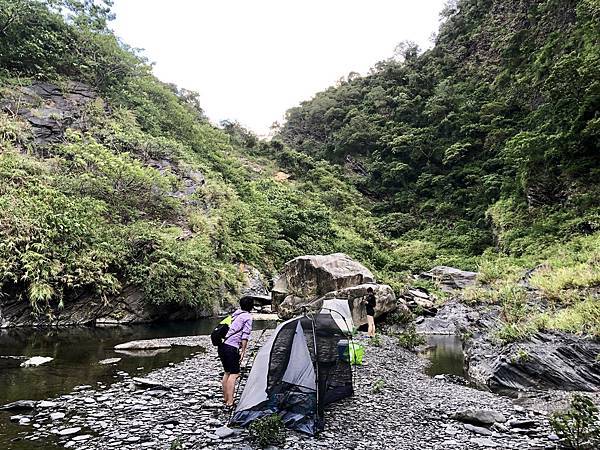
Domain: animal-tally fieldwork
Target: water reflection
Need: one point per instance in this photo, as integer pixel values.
(445, 353)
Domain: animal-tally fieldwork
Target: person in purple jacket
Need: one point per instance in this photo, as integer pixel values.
(233, 349)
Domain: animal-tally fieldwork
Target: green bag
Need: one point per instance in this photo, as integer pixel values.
(357, 352)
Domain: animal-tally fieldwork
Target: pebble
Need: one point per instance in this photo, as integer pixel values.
(69, 431)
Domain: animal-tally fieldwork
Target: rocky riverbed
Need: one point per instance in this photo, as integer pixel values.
(180, 406)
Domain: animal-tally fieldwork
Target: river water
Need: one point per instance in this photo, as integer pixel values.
(76, 352)
(445, 353)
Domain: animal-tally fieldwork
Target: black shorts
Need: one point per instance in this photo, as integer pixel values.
(230, 357)
(371, 312)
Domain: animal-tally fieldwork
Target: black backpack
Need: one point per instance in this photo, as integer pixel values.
(219, 334)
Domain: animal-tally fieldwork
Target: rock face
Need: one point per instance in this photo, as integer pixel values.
(450, 279)
(547, 360)
(51, 109)
(455, 318)
(129, 307)
(309, 280)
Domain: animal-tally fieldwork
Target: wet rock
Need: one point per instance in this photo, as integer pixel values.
(480, 416)
(36, 361)
(108, 361)
(148, 383)
(451, 318)
(450, 279)
(20, 405)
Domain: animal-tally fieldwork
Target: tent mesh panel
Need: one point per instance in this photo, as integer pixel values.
(299, 406)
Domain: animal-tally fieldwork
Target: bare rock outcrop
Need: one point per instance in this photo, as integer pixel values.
(309, 280)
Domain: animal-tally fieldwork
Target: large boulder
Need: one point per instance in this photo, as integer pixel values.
(547, 360)
(450, 279)
(311, 277)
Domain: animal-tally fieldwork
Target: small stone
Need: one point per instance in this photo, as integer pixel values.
(553, 437)
(24, 421)
(82, 437)
(46, 404)
(484, 442)
(57, 416)
(109, 361)
(69, 431)
(224, 432)
(478, 430)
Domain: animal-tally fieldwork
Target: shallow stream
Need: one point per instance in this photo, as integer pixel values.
(76, 353)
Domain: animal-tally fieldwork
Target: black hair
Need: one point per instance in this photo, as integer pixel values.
(369, 289)
(247, 303)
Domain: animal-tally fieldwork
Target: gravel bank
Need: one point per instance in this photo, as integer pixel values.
(411, 411)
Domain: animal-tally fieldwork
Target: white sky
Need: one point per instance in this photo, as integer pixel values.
(251, 60)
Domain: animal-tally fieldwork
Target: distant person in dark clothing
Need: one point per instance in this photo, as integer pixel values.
(233, 349)
(371, 302)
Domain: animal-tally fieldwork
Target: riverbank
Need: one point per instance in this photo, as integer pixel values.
(411, 410)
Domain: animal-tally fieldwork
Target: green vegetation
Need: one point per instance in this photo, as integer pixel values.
(482, 153)
(106, 206)
(410, 339)
(378, 386)
(268, 430)
(578, 426)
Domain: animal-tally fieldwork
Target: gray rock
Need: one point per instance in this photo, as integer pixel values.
(546, 360)
(20, 405)
(224, 432)
(57, 416)
(480, 416)
(313, 276)
(36, 361)
(450, 279)
(484, 442)
(148, 383)
(477, 430)
(109, 361)
(69, 431)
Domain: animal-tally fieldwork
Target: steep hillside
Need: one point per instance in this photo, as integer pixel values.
(482, 152)
(113, 184)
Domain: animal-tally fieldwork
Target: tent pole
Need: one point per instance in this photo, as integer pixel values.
(312, 321)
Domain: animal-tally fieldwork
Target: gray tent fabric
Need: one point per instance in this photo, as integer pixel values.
(340, 312)
(297, 373)
(300, 370)
(255, 391)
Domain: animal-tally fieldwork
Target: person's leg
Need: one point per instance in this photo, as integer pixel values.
(230, 388)
(371, 322)
(224, 385)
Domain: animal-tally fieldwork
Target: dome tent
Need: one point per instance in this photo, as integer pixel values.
(299, 370)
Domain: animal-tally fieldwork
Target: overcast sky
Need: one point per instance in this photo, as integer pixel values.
(251, 60)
